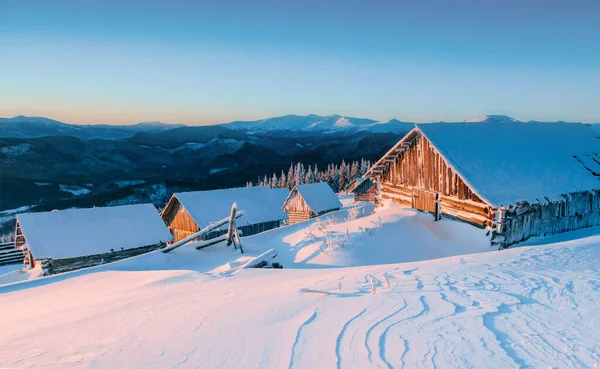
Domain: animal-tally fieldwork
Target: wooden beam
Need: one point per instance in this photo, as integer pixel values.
(200, 233)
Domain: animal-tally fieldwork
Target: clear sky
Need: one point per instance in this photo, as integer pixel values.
(200, 62)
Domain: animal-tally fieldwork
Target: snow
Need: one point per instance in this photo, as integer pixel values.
(319, 197)
(80, 232)
(509, 162)
(75, 190)
(15, 150)
(491, 119)
(531, 306)
(217, 170)
(126, 183)
(260, 204)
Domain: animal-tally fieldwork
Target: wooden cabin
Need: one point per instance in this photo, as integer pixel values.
(519, 179)
(188, 212)
(362, 189)
(77, 238)
(310, 200)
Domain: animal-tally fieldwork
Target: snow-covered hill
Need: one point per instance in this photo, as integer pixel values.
(531, 306)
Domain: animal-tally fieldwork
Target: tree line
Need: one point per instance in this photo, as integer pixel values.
(337, 176)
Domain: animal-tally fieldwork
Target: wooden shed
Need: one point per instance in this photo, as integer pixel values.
(519, 179)
(188, 212)
(77, 238)
(310, 200)
(363, 190)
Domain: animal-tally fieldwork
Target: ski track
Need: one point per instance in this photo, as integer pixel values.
(515, 330)
(302, 326)
(340, 338)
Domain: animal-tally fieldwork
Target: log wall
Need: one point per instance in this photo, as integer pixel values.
(299, 216)
(68, 264)
(421, 172)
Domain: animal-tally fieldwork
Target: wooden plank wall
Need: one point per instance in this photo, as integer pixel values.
(366, 191)
(423, 169)
(296, 203)
(578, 210)
(423, 200)
(180, 222)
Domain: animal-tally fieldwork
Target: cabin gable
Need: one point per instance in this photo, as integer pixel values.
(178, 220)
(548, 184)
(414, 174)
(297, 208)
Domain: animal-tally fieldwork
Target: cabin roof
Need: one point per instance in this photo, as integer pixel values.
(82, 232)
(260, 204)
(318, 196)
(509, 162)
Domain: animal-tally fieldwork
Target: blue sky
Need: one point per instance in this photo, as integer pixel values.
(211, 62)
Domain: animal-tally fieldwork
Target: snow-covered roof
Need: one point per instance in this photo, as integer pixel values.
(509, 162)
(319, 197)
(81, 232)
(260, 204)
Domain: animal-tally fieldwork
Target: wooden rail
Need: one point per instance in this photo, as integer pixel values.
(201, 232)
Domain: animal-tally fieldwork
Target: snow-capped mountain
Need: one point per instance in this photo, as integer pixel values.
(312, 122)
(492, 119)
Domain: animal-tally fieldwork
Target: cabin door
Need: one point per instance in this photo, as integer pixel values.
(423, 200)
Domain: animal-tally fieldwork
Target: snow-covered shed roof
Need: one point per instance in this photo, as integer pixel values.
(260, 204)
(82, 232)
(511, 161)
(318, 196)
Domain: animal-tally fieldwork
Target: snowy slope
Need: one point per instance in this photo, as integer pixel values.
(531, 306)
(525, 307)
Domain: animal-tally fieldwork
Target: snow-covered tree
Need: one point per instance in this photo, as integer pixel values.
(282, 180)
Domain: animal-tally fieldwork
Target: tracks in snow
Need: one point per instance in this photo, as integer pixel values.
(417, 319)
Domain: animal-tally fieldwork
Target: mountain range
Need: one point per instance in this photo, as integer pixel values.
(47, 164)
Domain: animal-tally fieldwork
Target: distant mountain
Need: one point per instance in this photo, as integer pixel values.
(492, 119)
(176, 137)
(33, 127)
(310, 122)
(317, 123)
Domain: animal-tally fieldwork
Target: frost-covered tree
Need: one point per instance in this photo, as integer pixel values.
(290, 177)
(282, 180)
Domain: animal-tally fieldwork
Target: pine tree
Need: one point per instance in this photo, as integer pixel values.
(274, 181)
(308, 178)
(354, 171)
(282, 180)
(342, 178)
(290, 177)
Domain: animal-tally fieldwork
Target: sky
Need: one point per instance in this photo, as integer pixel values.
(204, 62)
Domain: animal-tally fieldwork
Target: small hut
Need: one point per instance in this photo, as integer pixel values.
(310, 200)
(520, 179)
(188, 212)
(362, 189)
(77, 238)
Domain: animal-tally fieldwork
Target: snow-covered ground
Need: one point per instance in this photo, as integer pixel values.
(530, 306)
